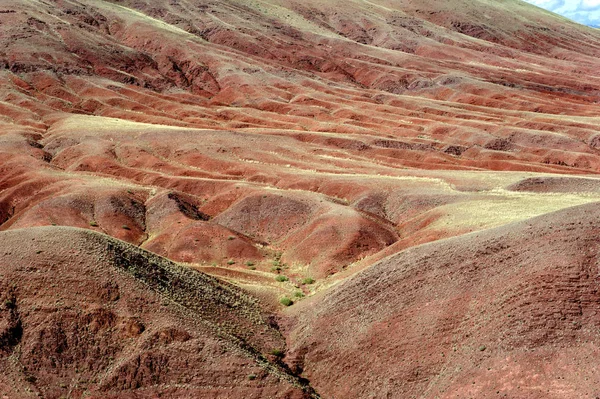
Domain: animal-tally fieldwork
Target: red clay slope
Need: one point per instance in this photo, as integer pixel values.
(309, 139)
(509, 312)
(295, 95)
(84, 315)
(460, 84)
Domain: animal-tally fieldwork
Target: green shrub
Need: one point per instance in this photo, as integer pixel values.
(281, 278)
(308, 281)
(93, 223)
(230, 262)
(299, 294)
(277, 352)
(249, 263)
(252, 377)
(285, 301)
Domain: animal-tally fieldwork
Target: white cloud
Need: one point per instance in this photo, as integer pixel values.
(547, 4)
(585, 12)
(590, 4)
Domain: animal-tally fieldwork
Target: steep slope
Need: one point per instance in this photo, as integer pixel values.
(509, 312)
(84, 315)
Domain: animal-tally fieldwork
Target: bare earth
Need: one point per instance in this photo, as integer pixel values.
(420, 179)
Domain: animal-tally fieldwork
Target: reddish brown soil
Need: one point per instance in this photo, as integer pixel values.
(509, 312)
(556, 185)
(310, 94)
(84, 315)
(306, 139)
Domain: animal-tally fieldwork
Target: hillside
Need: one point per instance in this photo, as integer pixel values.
(295, 150)
(511, 311)
(101, 318)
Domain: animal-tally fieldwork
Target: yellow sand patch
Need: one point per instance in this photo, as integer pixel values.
(498, 207)
(101, 124)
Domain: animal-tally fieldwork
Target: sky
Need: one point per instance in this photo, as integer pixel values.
(586, 12)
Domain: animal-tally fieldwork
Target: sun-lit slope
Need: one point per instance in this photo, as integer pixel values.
(297, 149)
(82, 314)
(510, 311)
(415, 71)
(189, 129)
(255, 204)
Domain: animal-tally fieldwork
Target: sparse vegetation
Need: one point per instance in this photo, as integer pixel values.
(285, 301)
(277, 258)
(324, 125)
(277, 352)
(277, 264)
